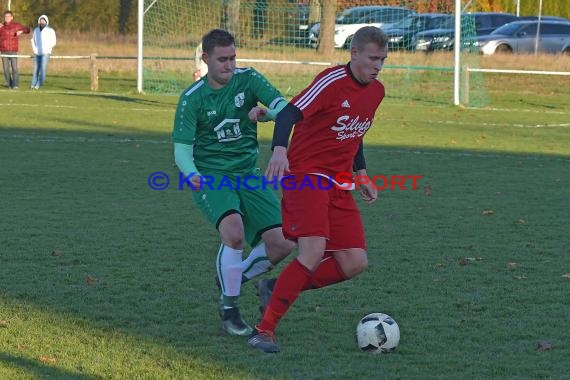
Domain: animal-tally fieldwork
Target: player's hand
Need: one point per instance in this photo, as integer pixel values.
(278, 163)
(368, 193)
(257, 114)
(196, 182)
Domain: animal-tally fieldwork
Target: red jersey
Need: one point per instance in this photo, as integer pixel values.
(9, 38)
(337, 112)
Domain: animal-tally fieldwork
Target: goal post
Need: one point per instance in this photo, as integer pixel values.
(281, 39)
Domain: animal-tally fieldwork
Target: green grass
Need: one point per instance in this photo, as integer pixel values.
(101, 277)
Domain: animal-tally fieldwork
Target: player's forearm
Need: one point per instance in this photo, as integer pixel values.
(359, 161)
(184, 158)
(284, 122)
(272, 112)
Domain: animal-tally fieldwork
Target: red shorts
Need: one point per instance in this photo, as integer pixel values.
(310, 209)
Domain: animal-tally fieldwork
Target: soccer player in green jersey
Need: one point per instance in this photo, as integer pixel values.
(215, 137)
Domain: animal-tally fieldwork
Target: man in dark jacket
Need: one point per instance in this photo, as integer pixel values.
(9, 33)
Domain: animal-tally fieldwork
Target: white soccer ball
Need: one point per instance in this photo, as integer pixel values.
(377, 333)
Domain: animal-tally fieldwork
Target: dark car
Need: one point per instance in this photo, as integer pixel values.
(400, 35)
(543, 18)
(472, 26)
(521, 37)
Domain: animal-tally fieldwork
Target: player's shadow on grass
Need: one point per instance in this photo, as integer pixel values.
(119, 98)
(39, 370)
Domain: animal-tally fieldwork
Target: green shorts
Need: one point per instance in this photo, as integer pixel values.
(257, 203)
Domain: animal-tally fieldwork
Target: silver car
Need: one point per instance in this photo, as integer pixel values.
(521, 37)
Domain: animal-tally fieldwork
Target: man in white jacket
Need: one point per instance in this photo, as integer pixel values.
(43, 41)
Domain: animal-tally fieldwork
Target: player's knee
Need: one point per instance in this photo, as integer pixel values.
(233, 239)
(278, 250)
(361, 263)
(356, 266)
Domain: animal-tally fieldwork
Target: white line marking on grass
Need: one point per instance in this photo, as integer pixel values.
(449, 122)
(126, 140)
(517, 110)
(75, 107)
(36, 105)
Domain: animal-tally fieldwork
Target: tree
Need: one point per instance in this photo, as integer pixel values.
(326, 34)
(125, 11)
(230, 16)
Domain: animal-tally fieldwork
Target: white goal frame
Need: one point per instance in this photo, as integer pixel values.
(457, 51)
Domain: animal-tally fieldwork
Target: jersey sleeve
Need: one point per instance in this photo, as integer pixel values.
(185, 121)
(319, 93)
(267, 94)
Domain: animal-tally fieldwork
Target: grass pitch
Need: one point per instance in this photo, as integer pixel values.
(102, 277)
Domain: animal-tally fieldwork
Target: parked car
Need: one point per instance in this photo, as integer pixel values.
(521, 37)
(543, 18)
(472, 24)
(352, 19)
(401, 34)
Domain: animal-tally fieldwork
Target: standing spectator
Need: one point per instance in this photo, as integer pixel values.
(9, 33)
(43, 41)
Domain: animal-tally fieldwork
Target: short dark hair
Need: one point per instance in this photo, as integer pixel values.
(216, 37)
(367, 35)
(8, 13)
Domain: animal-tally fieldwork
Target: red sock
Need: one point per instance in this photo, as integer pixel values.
(289, 285)
(327, 273)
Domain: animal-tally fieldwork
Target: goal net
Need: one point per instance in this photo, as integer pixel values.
(284, 40)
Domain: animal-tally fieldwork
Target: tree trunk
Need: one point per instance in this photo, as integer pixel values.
(230, 17)
(326, 34)
(124, 13)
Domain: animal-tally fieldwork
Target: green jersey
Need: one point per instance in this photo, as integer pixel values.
(215, 121)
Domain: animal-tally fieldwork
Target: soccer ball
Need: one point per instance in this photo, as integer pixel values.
(377, 333)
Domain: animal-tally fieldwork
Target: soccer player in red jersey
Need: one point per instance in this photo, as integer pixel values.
(331, 117)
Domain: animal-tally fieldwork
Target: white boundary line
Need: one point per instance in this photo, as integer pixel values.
(419, 152)
(168, 109)
(533, 72)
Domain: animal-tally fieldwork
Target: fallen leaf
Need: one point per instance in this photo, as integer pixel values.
(523, 277)
(454, 141)
(3, 323)
(488, 212)
(521, 221)
(428, 190)
(543, 346)
(90, 280)
(56, 252)
(47, 359)
(512, 265)
(567, 275)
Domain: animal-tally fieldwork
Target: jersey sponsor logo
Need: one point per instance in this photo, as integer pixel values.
(228, 130)
(239, 99)
(345, 104)
(211, 113)
(347, 128)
